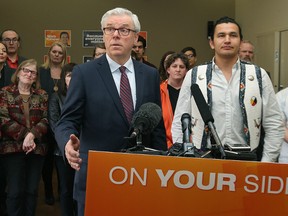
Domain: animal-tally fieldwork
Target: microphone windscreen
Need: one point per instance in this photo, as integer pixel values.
(148, 117)
(185, 116)
(201, 104)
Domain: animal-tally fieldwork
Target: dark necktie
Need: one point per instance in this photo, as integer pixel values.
(125, 94)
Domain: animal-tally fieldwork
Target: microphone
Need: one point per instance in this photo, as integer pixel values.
(207, 116)
(186, 129)
(146, 119)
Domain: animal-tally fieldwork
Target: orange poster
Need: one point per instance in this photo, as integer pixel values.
(57, 35)
(133, 184)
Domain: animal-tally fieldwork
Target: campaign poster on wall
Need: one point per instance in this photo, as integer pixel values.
(57, 35)
(91, 38)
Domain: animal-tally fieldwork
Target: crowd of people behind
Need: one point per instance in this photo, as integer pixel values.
(32, 99)
(28, 149)
(51, 78)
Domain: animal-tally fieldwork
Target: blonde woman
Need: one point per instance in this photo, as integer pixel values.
(50, 81)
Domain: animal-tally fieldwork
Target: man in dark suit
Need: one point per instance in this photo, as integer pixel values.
(93, 117)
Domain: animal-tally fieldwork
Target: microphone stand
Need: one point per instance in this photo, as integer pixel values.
(188, 146)
(139, 146)
(219, 145)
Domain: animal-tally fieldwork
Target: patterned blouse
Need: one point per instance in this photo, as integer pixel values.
(13, 122)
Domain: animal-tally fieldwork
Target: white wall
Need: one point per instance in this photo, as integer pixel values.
(261, 22)
(261, 16)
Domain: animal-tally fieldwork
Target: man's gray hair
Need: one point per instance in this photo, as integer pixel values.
(120, 12)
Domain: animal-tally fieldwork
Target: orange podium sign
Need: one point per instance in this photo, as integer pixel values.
(147, 185)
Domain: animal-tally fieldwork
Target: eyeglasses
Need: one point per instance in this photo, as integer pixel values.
(99, 54)
(9, 40)
(139, 47)
(190, 56)
(26, 70)
(121, 31)
(68, 74)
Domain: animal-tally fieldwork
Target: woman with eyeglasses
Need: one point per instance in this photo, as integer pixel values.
(23, 116)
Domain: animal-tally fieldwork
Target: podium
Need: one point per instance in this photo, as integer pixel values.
(142, 185)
